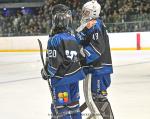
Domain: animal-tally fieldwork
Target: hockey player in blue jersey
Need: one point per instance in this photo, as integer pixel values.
(63, 66)
(93, 38)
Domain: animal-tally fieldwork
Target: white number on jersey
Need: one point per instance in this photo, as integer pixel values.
(52, 53)
(70, 54)
(95, 36)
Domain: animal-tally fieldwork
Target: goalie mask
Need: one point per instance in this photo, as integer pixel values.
(61, 17)
(90, 10)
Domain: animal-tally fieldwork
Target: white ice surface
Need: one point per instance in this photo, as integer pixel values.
(24, 95)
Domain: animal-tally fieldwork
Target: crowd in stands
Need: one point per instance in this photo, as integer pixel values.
(121, 11)
(118, 15)
(19, 1)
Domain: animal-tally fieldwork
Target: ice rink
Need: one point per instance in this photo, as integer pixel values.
(24, 95)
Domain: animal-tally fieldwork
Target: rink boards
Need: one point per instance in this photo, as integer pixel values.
(118, 41)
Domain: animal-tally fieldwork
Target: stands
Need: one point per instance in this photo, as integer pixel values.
(119, 16)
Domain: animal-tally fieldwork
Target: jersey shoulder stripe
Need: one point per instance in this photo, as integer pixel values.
(56, 39)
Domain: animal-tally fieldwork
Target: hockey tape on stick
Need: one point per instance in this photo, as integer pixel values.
(83, 107)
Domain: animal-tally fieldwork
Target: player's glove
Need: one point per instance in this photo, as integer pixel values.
(44, 74)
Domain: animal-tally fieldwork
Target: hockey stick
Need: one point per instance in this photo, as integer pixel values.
(50, 87)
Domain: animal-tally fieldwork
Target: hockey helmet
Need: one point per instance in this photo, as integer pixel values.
(61, 16)
(90, 10)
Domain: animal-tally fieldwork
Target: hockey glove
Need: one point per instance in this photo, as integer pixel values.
(44, 74)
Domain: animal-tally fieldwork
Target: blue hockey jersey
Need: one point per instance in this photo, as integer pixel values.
(62, 59)
(95, 42)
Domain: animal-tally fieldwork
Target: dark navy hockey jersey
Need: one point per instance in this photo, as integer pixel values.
(63, 59)
(95, 42)
(106, 58)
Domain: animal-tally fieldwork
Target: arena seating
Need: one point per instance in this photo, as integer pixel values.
(119, 16)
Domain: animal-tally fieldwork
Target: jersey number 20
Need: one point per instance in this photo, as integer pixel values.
(52, 53)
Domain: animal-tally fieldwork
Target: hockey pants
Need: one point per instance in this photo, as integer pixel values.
(66, 102)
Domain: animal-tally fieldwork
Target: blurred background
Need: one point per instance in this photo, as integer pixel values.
(32, 17)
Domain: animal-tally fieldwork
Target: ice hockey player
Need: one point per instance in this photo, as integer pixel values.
(63, 66)
(93, 37)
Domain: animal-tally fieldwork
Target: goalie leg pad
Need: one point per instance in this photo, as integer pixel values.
(103, 106)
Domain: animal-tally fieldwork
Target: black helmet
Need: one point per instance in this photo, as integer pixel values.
(61, 17)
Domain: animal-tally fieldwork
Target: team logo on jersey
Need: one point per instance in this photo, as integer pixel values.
(71, 54)
(63, 97)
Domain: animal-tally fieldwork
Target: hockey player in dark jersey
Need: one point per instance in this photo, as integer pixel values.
(97, 61)
(63, 66)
